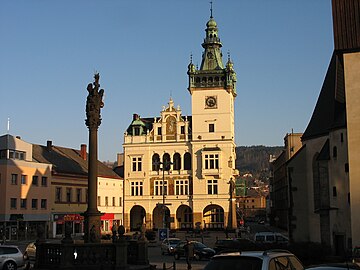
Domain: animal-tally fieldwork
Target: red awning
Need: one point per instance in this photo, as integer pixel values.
(107, 216)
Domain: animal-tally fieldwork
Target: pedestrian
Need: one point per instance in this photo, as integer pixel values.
(189, 253)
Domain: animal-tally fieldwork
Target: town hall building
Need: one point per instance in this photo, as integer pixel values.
(179, 170)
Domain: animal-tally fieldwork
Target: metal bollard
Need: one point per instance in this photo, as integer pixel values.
(164, 266)
(174, 265)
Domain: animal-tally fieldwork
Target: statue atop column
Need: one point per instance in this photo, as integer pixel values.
(94, 103)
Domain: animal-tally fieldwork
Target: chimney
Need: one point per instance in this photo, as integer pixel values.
(135, 116)
(49, 145)
(83, 151)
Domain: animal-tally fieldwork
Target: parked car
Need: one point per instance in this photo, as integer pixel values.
(200, 250)
(238, 244)
(270, 237)
(168, 245)
(335, 266)
(11, 257)
(255, 260)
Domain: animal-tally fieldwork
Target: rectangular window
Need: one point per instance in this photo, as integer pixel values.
(34, 203)
(120, 201)
(58, 192)
(106, 201)
(13, 203)
(158, 187)
(137, 131)
(113, 202)
(35, 180)
(14, 179)
(43, 203)
(78, 195)
(23, 203)
(159, 130)
(68, 195)
(99, 201)
(182, 129)
(136, 188)
(211, 127)
(212, 161)
(44, 181)
(23, 179)
(181, 187)
(136, 164)
(212, 186)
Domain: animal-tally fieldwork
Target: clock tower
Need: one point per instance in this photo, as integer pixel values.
(213, 91)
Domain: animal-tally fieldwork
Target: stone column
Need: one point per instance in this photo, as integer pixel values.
(92, 215)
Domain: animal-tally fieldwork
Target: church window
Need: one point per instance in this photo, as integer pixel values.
(187, 161)
(212, 161)
(181, 187)
(212, 186)
(136, 188)
(182, 130)
(334, 152)
(211, 127)
(210, 79)
(159, 131)
(216, 79)
(136, 164)
(158, 187)
(197, 79)
(177, 161)
(156, 162)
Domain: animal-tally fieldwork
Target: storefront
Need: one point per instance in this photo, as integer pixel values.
(108, 220)
(76, 222)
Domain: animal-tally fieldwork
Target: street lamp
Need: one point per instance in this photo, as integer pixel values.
(164, 164)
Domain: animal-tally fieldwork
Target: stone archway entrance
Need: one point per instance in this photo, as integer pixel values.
(184, 217)
(137, 218)
(158, 218)
(213, 217)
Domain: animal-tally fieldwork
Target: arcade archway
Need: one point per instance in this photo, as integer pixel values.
(158, 217)
(213, 216)
(137, 217)
(184, 217)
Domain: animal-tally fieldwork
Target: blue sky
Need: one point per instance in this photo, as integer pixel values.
(50, 50)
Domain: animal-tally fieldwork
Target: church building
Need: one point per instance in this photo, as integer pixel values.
(179, 171)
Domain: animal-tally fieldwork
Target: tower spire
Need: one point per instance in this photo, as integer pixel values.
(211, 9)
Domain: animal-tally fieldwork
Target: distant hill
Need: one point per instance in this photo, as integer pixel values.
(255, 159)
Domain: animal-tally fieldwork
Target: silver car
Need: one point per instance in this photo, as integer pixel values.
(168, 245)
(255, 260)
(11, 257)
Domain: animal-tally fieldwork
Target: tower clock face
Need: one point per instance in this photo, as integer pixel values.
(210, 102)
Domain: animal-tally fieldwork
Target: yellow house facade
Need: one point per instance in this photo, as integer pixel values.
(177, 168)
(25, 199)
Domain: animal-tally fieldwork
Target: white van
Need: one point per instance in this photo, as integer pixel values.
(270, 237)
